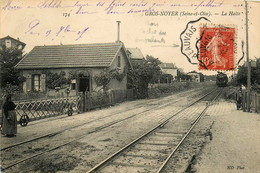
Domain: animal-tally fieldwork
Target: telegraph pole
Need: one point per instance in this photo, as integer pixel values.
(248, 63)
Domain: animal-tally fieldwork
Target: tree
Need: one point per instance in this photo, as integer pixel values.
(56, 80)
(143, 73)
(154, 71)
(9, 57)
(242, 75)
(104, 78)
(210, 77)
(166, 78)
(255, 75)
(182, 76)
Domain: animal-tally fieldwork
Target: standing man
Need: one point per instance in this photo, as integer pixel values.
(239, 98)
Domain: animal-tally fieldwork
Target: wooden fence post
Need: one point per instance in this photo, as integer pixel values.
(244, 101)
(249, 105)
(111, 98)
(78, 104)
(82, 103)
(254, 101)
(257, 107)
(88, 101)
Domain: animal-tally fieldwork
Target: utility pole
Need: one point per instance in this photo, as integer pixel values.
(248, 63)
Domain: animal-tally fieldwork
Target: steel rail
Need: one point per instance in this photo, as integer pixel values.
(187, 134)
(92, 131)
(101, 164)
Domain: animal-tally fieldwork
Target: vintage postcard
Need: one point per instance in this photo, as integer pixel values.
(89, 79)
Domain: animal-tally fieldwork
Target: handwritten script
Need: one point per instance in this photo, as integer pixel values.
(34, 28)
(110, 6)
(68, 9)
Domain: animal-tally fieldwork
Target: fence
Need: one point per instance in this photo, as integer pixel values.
(254, 101)
(96, 100)
(42, 108)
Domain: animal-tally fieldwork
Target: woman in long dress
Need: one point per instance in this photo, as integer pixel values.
(9, 124)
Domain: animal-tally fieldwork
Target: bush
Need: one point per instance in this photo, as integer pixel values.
(31, 95)
(56, 80)
(241, 77)
(256, 87)
(9, 89)
(229, 93)
(166, 89)
(154, 93)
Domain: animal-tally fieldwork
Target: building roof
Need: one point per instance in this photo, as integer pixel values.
(67, 56)
(167, 66)
(192, 72)
(8, 37)
(135, 53)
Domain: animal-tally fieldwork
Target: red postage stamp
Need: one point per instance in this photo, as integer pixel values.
(216, 50)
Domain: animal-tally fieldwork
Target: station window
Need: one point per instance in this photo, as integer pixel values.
(8, 43)
(36, 82)
(73, 84)
(118, 61)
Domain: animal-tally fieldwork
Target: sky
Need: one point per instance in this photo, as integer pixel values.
(54, 22)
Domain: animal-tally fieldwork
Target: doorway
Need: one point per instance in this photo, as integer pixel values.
(84, 84)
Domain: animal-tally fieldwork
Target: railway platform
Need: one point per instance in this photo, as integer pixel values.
(235, 143)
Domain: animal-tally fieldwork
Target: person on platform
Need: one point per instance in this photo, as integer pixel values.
(239, 98)
(9, 123)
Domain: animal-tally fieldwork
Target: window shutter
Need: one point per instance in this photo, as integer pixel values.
(28, 82)
(118, 61)
(43, 82)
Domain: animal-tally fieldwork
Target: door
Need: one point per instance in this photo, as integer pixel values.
(84, 84)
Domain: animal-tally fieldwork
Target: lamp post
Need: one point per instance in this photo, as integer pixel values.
(248, 63)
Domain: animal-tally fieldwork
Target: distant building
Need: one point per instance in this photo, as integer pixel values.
(181, 70)
(84, 60)
(10, 42)
(194, 76)
(169, 68)
(135, 54)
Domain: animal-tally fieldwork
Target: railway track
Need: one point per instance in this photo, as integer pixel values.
(165, 102)
(162, 100)
(152, 151)
(49, 149)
